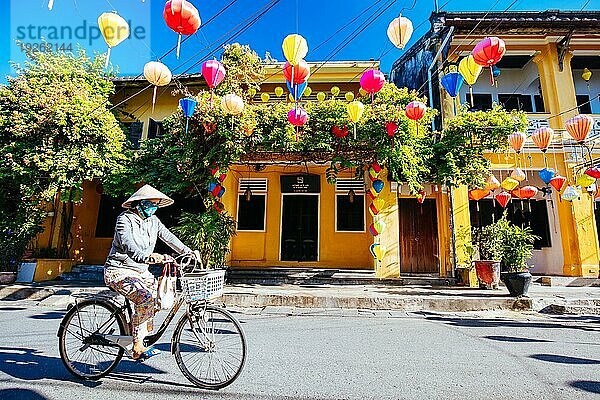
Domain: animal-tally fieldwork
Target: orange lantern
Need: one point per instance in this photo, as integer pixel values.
(542, 138)
(492, 183)
(558, 182)
(579, 126)
(526, 192)
(478, 194)
(488, 52)
(517, 141)
(503, 199)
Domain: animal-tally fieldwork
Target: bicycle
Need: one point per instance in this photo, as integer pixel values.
(95, 333)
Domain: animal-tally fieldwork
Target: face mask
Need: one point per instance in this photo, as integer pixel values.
(146, 208)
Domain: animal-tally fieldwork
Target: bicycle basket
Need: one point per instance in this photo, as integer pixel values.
(203, 286)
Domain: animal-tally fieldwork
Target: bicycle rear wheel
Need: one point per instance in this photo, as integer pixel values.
(81, 347)
(209, 347)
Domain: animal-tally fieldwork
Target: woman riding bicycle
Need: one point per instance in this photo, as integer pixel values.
(126, 268)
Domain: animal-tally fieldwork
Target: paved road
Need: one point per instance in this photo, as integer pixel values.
(336, 355)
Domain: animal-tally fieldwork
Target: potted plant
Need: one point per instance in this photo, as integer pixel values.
(517, 247)
(488, 243)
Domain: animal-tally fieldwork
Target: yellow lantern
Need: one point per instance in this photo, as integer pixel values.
(509, 183)
(114, 30)
(379, 251)
(232, 104)
(585, 180)
(265, 97)
(399, 31)
(355, 111)
(307, 92)
(586, 75)
(469, 70)
(349, 96)
(294, 48)
(291, 98)
(335, 91)
(362, 92)
(157, 74)
(251, 92)
(321, 96)
(278, 91)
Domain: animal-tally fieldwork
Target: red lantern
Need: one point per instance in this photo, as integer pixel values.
(579, 126)
(594, 172)
(542, 138)
(338, 132)
(299, 72)
(488, 52)
(376, 167)
(297, 116)
(372, 81)
(182, 17)
(526, 192)
(218, 206)
(558, 182)
(478, 194)
(415, 110)
(421, 196)
(503, 198)
(391, 128)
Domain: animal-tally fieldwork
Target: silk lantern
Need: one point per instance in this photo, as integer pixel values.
(232, 104)
(570, 193)
(294, 48)
(114, 30)
(470, 71)
(542, 138)
(421, 194)
(188, 106)
(338, 132)
(335, 91)
(526, 192)
(182, 17)
(415, 110)
(349, 96)
(584, 180)
(157, 74)
(391, 128)
(492, 183)
(355, 111)
(377, 251)
(376, 206)
(372, 81)
(579, 126)
(558, 182)
(214, 73)
(218, 207)
(278, 91)
(376, 167)
(546, 175)
(518, 175)
(297, 116)
(594, 172)
(378, 185)
(488, 52)
(296, 90)
(478, 194)
(377, 228)
(219, 174)
(399, 31)
(517, 141)
(503, 198)
(321, 96)
(251, 93)
(265, 97)
(586, 75)
(509, 183)
(452, 82)
(298, 73)
(373, 174)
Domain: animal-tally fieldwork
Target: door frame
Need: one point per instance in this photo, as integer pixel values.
(318, 225)
(438, 273)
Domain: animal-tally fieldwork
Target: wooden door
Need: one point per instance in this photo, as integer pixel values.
(419, 248)
(299, 228)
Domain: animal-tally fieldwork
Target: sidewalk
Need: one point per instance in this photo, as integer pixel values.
(558, 299)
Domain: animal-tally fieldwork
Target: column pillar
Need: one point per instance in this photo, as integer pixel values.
(389, 267)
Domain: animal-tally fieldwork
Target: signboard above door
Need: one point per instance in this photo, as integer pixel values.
(300, 184)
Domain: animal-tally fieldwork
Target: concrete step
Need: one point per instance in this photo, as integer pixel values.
(567, 281)
(84, 273)
(572, 309)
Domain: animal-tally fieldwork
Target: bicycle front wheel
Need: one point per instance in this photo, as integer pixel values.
(82, 348)
(209, 347)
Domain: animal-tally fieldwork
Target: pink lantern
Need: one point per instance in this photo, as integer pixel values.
(213, 72)
(297, 116)
(372, 81)
(415, 110)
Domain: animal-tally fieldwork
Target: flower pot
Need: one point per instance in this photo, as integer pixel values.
(6, 278)
(517, 283)
(488, 272)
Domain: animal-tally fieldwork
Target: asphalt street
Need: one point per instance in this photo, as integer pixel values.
(328, 354)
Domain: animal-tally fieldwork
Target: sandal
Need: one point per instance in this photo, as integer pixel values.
(149, 353)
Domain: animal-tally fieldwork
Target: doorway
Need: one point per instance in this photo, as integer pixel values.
(300, 228)
(419, 245)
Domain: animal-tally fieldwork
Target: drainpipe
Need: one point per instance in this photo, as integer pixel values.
(444, 42)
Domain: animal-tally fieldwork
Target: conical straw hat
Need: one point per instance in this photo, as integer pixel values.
(147, 192)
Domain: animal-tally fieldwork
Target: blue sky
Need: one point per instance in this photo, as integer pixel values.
(316, 20)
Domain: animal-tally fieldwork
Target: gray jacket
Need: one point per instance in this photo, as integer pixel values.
(135, 239)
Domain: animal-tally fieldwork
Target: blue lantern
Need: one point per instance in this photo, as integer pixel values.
(378, 185)
(297, 90)
(546, 175)
(495, 71)
(452, 82)
(188, 106)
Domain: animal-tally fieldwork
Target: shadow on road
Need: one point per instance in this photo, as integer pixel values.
(588, 386)
(514, 339)
(563, 359)
(20, 394)
(49, 315)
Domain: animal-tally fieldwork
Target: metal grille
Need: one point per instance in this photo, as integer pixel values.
(343, 185)
(256, 185)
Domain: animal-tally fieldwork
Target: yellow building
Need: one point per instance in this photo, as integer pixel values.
(541, 73)
(289, 216)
